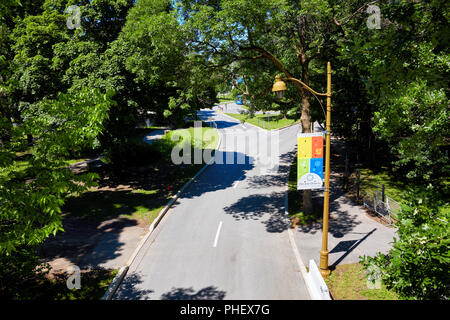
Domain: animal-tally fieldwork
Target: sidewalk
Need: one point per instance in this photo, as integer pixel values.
(351, 232)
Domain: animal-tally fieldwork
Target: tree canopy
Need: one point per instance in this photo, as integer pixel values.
(67, 89)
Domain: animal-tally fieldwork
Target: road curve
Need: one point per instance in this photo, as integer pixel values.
(226, 236)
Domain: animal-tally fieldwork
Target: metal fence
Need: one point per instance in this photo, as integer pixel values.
(387, 209)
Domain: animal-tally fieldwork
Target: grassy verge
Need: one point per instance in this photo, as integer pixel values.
(372, 181)
(260, 120)
(295, 203)
(349, 282)
(20, 167)
(226, 100)
(145, 190)
(137, 193)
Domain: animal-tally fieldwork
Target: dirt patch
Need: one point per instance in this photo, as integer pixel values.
(78, 241)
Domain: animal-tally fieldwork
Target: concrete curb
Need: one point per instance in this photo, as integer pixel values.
(316, 286)
(224, 114)
(124, 269)
(297, 255)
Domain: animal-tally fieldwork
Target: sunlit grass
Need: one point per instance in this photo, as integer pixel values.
(19, 167)
(371, 182)
(200, 137)
(260, 120)
(349, 282)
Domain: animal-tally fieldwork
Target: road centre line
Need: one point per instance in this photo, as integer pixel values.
(217, 234)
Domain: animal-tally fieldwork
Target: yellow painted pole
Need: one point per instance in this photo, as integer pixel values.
(326, 197)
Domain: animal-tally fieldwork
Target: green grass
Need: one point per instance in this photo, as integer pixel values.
(143, 203)
(349, 282)
(295, 203)
(19, 167)
(226, 100)
(99, 205)
(260, 120)
(203, 137)
(372, 181)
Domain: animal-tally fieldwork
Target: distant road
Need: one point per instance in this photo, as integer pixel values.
(226, 237)
(232, 107)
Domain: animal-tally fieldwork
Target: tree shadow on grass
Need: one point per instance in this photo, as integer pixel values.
(208, 293)
(93, 285)
(99, 205)
(98, 217)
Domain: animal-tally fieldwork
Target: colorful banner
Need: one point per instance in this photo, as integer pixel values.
(309, 161)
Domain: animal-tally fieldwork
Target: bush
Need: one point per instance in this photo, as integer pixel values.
(417, 267)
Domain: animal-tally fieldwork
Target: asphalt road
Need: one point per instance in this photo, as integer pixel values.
(226, 236)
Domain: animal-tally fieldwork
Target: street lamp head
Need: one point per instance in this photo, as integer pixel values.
(279, 87)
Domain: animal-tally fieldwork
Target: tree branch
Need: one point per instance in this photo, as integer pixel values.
(341, 22)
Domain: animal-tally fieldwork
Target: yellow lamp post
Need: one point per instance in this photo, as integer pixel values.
(279, 87)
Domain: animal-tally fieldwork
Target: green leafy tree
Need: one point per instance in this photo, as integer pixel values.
(31, 195)
(417, 265)
(263, 38)
(404, 67)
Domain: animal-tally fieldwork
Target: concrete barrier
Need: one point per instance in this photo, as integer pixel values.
(317, 287)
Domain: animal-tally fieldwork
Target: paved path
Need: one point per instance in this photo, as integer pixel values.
(154, 135)
(226, 237)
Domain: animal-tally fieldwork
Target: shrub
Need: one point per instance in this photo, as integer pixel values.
(417, 267)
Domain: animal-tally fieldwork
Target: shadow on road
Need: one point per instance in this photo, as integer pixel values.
(222, 124)
(129, 290)
(268, 207)
(259, 206)
(221, 176)
(208, 293)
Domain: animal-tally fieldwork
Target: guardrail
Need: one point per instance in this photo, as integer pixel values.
(388, 209)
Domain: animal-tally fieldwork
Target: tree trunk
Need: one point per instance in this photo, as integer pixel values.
(29, 139)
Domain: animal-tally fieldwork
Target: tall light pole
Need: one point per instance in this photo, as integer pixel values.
(279, 87)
